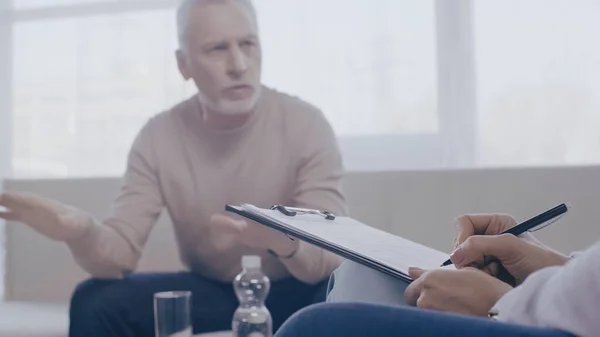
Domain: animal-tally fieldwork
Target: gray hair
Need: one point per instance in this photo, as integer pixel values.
(183, 17)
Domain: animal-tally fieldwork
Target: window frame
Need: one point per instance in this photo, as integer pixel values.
(5, 91)
(5, 118)
(454, 145)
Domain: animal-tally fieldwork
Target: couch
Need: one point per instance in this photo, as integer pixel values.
(419, 205)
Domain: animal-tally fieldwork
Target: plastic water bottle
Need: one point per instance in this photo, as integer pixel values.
(252, 318)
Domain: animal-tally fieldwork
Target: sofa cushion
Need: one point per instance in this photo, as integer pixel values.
(23, 319)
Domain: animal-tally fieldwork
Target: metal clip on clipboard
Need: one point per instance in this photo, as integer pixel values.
(293, 211)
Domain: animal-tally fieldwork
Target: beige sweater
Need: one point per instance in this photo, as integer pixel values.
(285, 154)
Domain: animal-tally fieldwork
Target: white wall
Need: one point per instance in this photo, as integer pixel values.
(421, 205)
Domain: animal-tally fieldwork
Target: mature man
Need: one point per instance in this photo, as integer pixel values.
(235, 141)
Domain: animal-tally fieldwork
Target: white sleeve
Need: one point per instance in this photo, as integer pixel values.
(565, 298)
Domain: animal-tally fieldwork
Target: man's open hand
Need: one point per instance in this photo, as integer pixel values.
(46, 216)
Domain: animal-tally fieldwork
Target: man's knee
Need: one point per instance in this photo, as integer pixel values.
(89, 295)
(349, 274)
(353, 282)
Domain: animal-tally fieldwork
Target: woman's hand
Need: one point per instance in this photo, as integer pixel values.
(519, 257)
(468, 291)
(468, 226)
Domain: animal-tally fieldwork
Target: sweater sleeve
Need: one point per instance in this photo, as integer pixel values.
(112, 248)
(565, 298)
(318, 186)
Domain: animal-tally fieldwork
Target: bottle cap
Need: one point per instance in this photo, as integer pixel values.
(250, 261)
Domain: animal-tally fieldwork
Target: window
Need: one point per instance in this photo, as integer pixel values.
(372, 69)
(429, 83)
(538, 65)
(85, 82)
(84, 86)
(37, 4)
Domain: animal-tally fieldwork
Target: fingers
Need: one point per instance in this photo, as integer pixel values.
(426, 280)
(415, 273)
(491, 269)
(227, 224)
(16, 202)
(481, 224)
(413, 291)
(476, 249)
(464, 228)
(8, 216)
(5, 208)
(9, 200)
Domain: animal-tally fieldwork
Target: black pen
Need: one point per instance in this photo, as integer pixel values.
(545, 219)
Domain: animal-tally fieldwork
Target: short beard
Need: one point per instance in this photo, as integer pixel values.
(232, 108)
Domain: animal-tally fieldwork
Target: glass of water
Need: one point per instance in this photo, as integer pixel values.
(173, 314)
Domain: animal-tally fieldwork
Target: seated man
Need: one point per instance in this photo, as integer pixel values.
(553, 295)
(235, 141)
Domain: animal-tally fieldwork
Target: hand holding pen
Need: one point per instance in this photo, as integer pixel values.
(484, 238)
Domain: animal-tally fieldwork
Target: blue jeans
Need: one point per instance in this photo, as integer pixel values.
(363, 319)
(125, 307)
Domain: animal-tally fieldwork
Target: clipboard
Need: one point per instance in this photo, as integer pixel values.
(346, 237)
